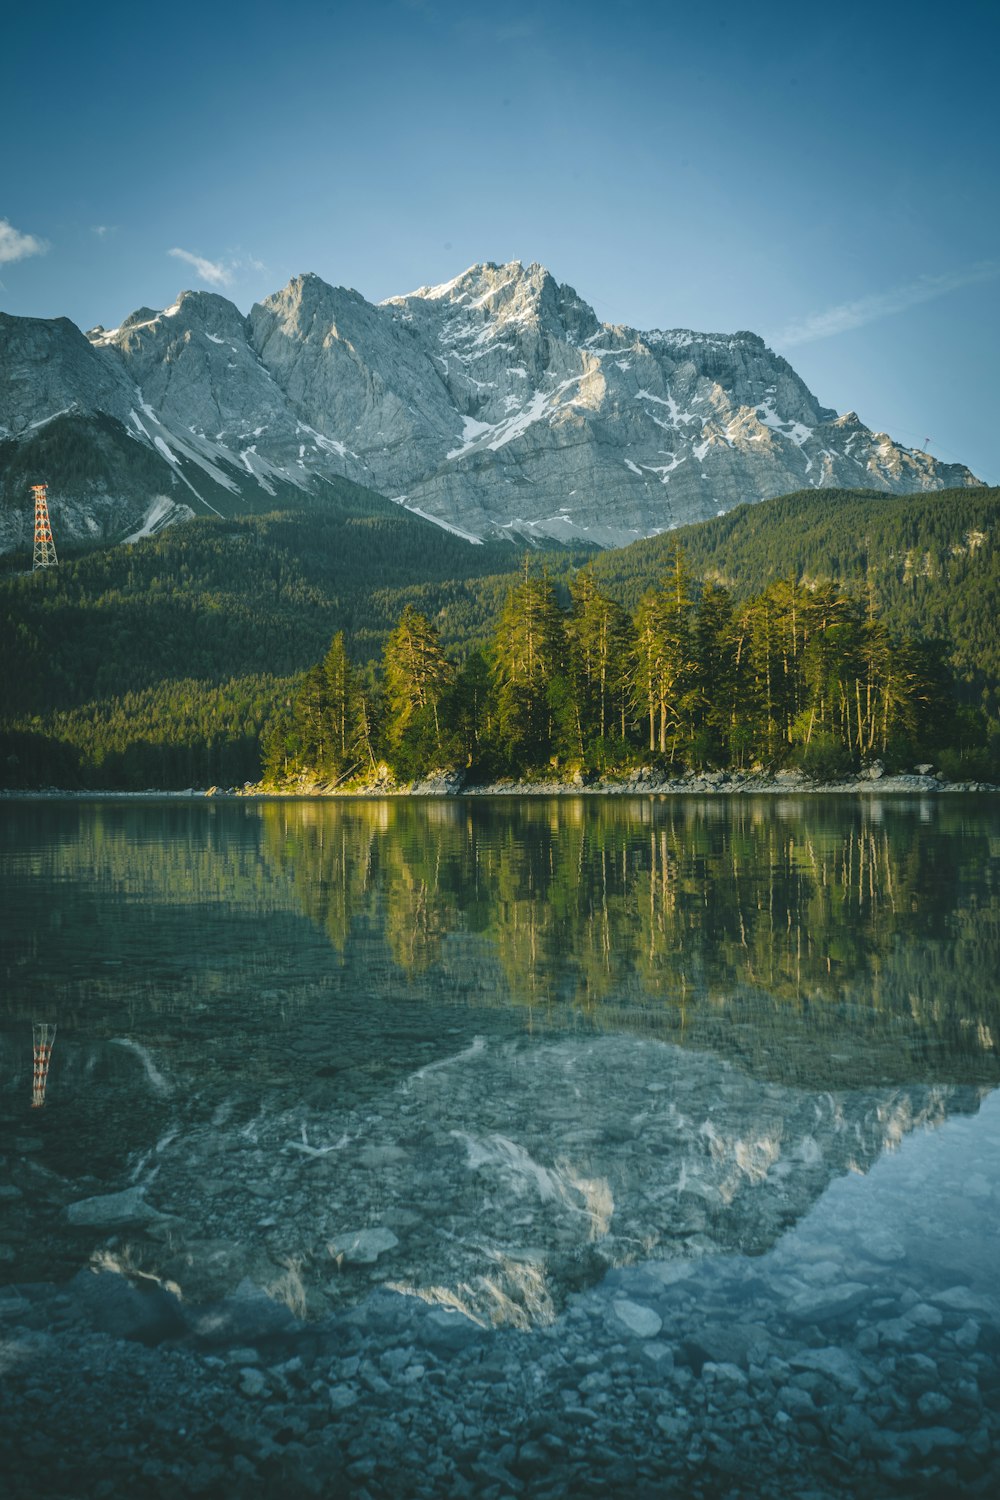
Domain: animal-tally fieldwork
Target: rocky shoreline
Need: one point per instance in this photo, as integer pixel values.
(641, 782)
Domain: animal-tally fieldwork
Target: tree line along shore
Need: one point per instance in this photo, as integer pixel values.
(802, 678)
(811, 631)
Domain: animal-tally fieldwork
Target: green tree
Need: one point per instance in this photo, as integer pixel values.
(601, 639)
(339, 680)
(367, 715)
(715, 670)
(665, 676)
(417, 676)
(528, 650)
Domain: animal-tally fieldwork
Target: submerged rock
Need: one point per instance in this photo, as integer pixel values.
(641, 1321)
(127, 1207)
(362, 1247)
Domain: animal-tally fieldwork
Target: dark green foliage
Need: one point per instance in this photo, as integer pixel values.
(217, 601)
(220, 598)
(667, 686)
(78, 455)
(417, 675)
(271, 618)
(932, 559)
(803, 675)
(601, 639)
(528, 659)
(178, 734)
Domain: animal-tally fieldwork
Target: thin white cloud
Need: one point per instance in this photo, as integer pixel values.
(17, 246)
(102, 230)
(847, 315)
(214, 272)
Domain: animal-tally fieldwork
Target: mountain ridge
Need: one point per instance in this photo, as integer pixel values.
(496, 404)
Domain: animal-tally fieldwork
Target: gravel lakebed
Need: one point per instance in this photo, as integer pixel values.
(856, 1356)
(648, 1386)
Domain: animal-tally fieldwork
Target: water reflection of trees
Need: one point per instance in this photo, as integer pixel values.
(596, 903)
(740, 922)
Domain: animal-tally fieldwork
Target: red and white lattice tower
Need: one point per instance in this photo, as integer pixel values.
(45, 547)
(43, 1038)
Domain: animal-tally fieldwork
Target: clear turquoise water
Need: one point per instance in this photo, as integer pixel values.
(525, 1041)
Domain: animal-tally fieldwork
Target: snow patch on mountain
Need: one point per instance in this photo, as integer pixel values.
(162, 513)
(467, 536)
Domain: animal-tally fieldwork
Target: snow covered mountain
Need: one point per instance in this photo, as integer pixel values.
(493, 404)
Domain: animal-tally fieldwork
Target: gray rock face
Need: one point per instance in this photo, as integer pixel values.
(49, 369)
(494, 403)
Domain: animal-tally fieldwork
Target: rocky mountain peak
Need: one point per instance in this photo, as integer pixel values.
(505, 294)
(493, 403)
(306, 290)
(309, 308)
(480, 279)
(205, 313)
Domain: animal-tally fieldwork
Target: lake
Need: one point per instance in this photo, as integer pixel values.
(676, 1115)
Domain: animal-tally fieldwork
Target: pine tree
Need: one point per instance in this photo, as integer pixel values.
(665, 674)
(528, 650)
(367, 711)
(338, 677)
(417, 675)
(715, 658)
(601, 639)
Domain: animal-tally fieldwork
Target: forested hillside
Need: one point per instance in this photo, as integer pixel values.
(114, 666)
(158, 664)
(932, 559)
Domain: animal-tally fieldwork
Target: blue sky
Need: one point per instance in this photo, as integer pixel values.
(827, 177)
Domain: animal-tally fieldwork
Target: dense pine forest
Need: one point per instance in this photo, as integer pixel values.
(122, 666)
(803, 673)
(819, 629)
(931, 558)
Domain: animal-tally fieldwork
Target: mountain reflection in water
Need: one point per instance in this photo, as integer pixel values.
(479, 1050)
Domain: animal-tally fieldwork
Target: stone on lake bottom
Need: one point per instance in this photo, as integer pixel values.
(445, 1329)
(962, 1299)
(933, 1404)
(928, 1439)
(828, 1302)
(362, 1247)
(967, 1337)
(660, 1355)
(833, 1362)
(641, 1321)
(126, 1207)
(342, 1397)
(252, 1381)
(725, 1373)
